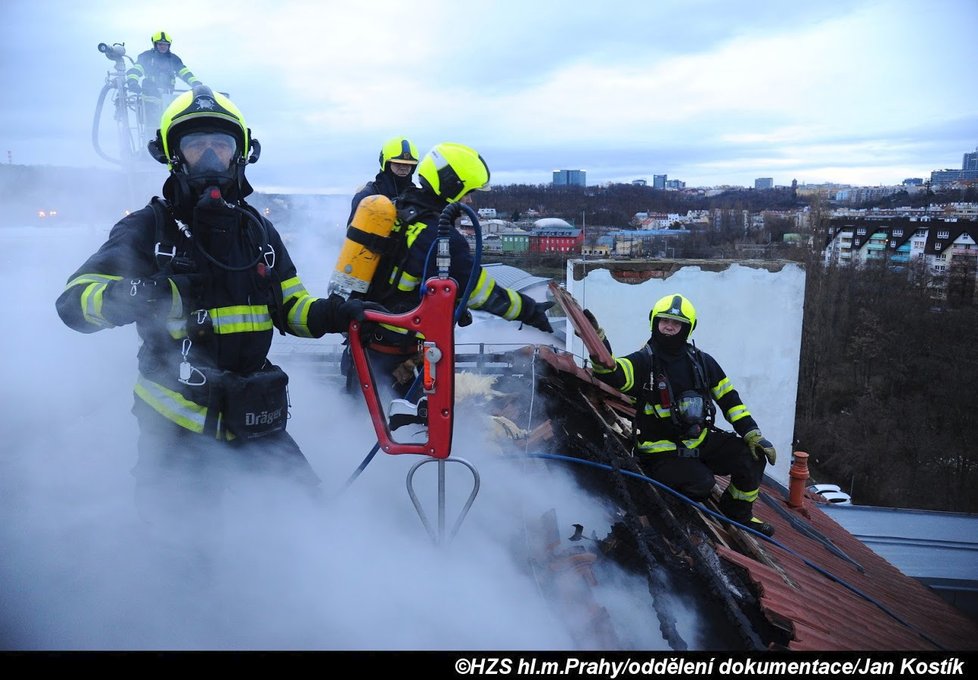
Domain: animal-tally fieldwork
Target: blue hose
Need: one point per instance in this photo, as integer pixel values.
(724, 518)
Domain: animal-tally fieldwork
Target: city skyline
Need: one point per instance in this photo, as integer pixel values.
(713, 93)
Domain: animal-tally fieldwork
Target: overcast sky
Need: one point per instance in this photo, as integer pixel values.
(705, 91)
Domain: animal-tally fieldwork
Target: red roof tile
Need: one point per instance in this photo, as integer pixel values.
(894, 612)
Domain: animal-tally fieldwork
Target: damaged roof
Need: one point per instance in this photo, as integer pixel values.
(813, 587)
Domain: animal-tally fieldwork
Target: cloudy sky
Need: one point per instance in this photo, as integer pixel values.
(706, 91)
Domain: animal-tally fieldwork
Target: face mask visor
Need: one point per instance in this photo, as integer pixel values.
(207, 153)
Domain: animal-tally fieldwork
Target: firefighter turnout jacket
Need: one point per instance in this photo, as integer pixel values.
(223, 293)
(660, 427)
(159, 71)
(412, 261)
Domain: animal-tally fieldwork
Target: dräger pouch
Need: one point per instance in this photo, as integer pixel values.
(256, 404)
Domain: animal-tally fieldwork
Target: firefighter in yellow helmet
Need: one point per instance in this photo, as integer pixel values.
(447, 174)
(154, 75)
(207, 281)
(158, 68)
(398, 161)
(675, 386)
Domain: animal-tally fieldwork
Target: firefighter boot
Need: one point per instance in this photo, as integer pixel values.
(742, 512)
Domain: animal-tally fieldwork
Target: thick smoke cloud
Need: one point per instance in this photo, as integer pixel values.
(354, 570)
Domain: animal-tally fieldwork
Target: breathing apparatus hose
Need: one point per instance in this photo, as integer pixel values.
(96, 124)
(262, 231)
(446, 222)
(727, 520)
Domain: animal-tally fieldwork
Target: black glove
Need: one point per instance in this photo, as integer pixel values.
(133, 86)
(535, 314)
(128, 300)
(352, 310)
(594, 322)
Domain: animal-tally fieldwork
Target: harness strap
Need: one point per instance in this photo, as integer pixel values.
(661, 384)
(381, 245)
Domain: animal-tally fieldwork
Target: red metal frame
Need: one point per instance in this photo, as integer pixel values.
(434, 319)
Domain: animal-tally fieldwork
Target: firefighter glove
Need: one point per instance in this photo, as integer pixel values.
(353, 310)
(758, 446)
(128, 300)
(133, 86)
(535, 314)
(594, 322)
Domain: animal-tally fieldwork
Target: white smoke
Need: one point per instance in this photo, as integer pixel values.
(356, 571)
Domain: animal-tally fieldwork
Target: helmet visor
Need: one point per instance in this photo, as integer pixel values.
(208, 151)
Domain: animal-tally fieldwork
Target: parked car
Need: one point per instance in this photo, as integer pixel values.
(831, 493)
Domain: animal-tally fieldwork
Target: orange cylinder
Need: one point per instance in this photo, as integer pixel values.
(361, 252)
(798, 476)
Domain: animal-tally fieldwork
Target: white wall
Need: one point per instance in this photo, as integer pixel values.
(749, 319)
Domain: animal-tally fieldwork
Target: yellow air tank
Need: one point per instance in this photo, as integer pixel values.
(371, 225)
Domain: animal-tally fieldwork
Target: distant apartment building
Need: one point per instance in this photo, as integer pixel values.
(675, 184)
(645, 242)
(577, 178)
(596, 250)
(764, 183)
(946, 249)
(941, 178)
(548, 235)
(864, 194)
(515, 243)
(659, 181)
(553, 235)
(492, 244)
(913, 182)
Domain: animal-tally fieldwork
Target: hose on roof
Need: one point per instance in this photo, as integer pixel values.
(724, 518)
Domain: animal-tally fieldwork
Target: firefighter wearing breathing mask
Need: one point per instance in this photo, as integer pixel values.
(675, 386)
(207, 281)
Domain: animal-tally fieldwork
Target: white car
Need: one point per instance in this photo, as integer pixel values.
(831, 493)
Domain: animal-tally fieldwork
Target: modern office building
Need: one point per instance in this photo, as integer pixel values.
(659, 181)
(764, 183)
(967, 173)
(970, 161)
(576, 178)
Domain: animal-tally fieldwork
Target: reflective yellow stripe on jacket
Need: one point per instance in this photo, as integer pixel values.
(628, 372)
(298, 317)
(241, 319)
(91, 296)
